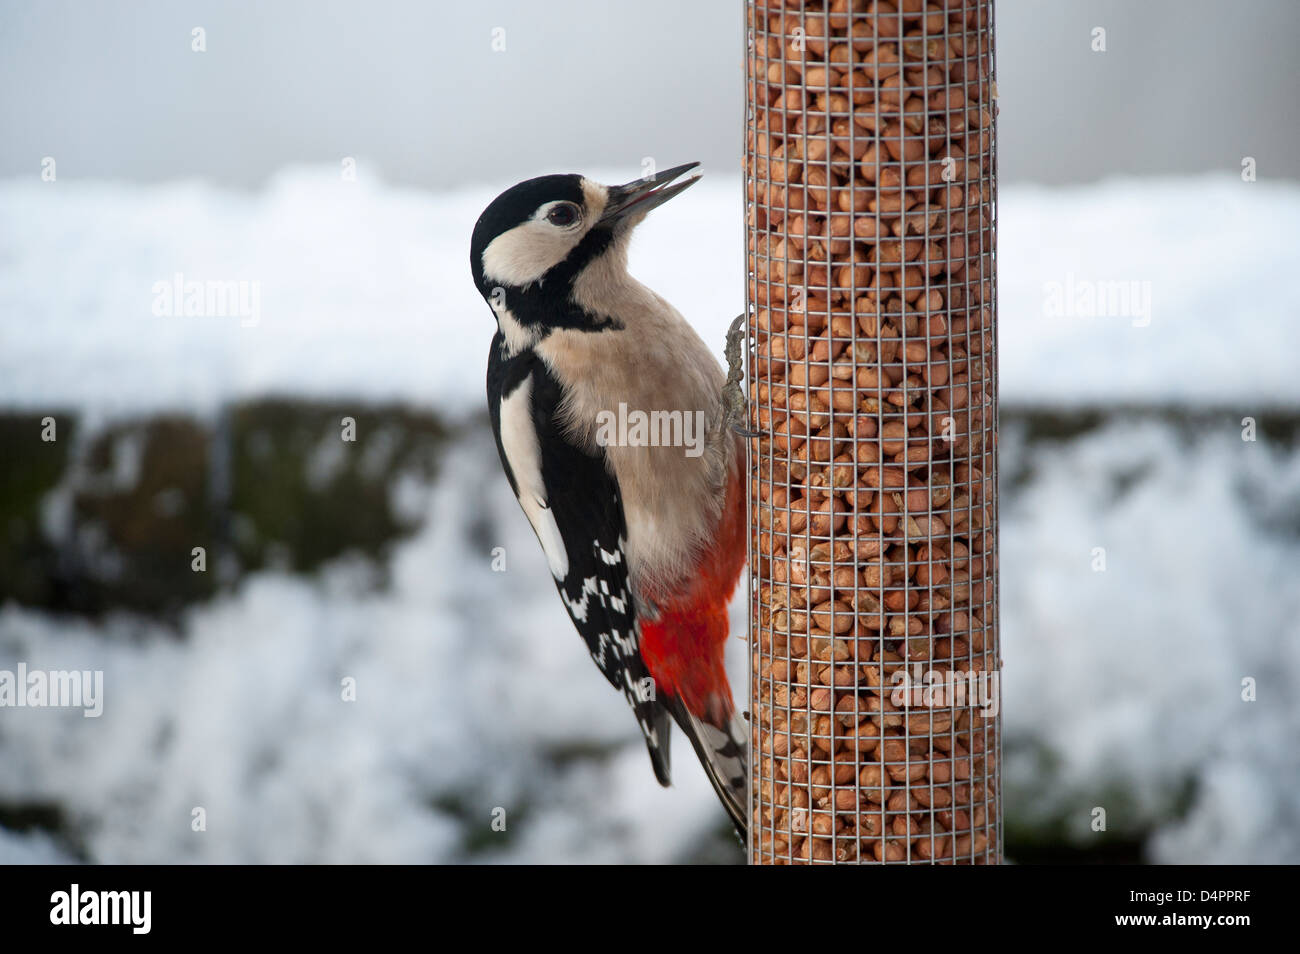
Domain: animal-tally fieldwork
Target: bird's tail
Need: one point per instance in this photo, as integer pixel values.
(722, 753)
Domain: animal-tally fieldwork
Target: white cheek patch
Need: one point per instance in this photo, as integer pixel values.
(519, 440)
(594, 197)
(528, 251)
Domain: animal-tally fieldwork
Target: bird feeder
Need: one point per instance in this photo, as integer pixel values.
(870, 176)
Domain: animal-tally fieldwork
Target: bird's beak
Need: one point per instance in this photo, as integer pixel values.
(638, 197)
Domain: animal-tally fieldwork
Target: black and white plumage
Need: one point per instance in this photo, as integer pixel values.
(645, 543)
(573, 505)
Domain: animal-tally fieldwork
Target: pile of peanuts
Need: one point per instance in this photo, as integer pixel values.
(870, 178)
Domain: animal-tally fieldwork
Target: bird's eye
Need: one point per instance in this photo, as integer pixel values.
(563, 215)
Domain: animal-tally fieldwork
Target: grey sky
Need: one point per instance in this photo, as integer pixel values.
(113, 90)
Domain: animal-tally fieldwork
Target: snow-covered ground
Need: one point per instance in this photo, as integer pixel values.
(466, 679)
(1122, 687)
(365, 290)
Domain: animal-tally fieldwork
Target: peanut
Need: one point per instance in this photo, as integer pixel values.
(870, 197)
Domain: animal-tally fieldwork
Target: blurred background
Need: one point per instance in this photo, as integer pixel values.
(328, 161)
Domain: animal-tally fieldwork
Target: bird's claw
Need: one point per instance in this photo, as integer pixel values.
(735, 406)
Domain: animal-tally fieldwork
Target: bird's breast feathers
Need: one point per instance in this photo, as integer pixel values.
(647, 396)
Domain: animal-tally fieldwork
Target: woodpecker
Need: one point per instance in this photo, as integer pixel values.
(645, 540)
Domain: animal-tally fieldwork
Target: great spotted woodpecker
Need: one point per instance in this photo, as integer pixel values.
(645, 540)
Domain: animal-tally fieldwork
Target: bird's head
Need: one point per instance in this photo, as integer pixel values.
(533, 244)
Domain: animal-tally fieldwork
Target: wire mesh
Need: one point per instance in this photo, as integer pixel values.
(870, 177)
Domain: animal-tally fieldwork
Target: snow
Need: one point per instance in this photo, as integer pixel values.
(365, 289)
(473, 693)
(464, 680)
(469, 681)
(1212, 252)
(1132, 677)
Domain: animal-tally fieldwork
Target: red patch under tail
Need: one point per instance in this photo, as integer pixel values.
(684, 648)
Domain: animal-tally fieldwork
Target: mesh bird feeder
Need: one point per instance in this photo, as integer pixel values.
(871, 297)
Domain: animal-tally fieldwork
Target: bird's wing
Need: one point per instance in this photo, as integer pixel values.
(574, 506)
